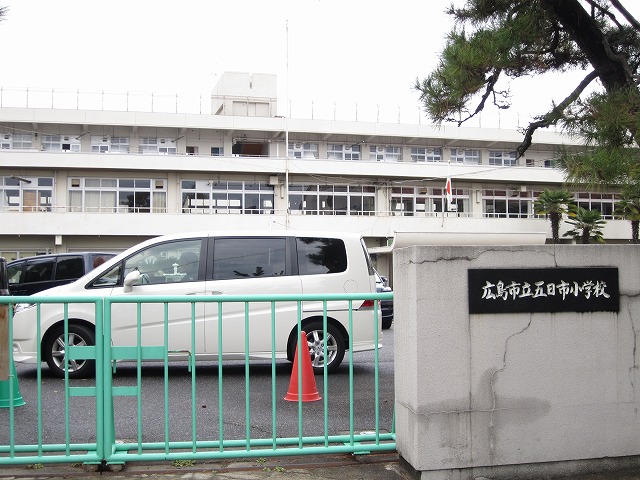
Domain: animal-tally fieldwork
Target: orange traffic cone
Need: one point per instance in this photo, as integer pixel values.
(309, 389)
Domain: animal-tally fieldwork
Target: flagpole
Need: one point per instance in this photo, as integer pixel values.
(447, 185)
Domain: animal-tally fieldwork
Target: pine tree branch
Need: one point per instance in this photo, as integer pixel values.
(491, 82)
(552, 117)
(604, 11)
(625, 13)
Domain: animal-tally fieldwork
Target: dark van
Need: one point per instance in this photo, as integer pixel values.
(33, 274)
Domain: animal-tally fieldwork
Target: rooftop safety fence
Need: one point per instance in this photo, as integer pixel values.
(57, 98)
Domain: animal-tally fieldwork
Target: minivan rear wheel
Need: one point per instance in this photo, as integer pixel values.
(316, 340)
(55, 345)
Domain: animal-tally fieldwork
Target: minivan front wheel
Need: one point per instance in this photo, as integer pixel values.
(316, 340)
(55, 345)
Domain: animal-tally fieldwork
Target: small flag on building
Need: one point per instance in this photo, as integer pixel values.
(449, 191)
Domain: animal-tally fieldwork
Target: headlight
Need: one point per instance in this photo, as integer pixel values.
(23, 306)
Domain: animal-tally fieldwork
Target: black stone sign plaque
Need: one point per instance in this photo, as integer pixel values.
(511, 290)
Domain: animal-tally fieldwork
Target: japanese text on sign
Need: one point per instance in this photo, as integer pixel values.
(560, 289)
(539, 289)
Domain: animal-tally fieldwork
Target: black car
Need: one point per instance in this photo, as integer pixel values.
(33, 274)
(386, 306)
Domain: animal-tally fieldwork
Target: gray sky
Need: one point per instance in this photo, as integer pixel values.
(341, 53)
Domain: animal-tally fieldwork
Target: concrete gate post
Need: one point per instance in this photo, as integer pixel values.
(520, 394)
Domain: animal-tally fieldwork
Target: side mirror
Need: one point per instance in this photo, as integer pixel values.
(132, 278)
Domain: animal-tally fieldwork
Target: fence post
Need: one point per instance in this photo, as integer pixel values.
(9, 392)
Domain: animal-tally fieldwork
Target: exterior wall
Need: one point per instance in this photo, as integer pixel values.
(487, 394)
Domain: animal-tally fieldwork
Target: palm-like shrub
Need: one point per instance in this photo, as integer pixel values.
(554, 204)
(628, 207)
(587, 225)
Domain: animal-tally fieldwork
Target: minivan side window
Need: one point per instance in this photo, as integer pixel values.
(110, 278)
(69, 268)
(13, 272)
(39, 270)
(249, 257)
(168, 262)
(317, 256)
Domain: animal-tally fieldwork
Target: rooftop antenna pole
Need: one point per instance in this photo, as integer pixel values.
(286, 133)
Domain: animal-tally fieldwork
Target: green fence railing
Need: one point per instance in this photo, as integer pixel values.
(148, 409)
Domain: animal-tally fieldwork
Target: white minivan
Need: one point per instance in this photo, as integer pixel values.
(215, 263)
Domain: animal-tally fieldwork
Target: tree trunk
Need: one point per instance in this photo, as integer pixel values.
(635, 228)
(555, 226)
(613, 69)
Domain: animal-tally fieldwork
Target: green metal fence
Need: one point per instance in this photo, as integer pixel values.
(107, 420)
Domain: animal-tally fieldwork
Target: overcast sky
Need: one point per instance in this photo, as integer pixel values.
(341, 53)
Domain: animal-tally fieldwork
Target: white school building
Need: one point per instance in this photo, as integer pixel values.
(77, 175)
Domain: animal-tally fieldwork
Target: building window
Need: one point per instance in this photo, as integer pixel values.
(152, 145)
(166, 147)
(202, 196)
(303, 150)
(122, 195)
(550, 163)
(424, 154)
(507, 203)
(380, 153)
(60, 143)
(468, 157)
(501, 158)
(11, 255)
(603, 202)
(16, 141)
(119, 145)
(314, 199)
(22, 141)
(26, 194)
(336, 151)
(427, 201)
(148, 145)
(108, 144)
(403, 201)
(217, 151)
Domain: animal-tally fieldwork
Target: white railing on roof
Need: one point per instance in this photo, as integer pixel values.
(54, 98)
